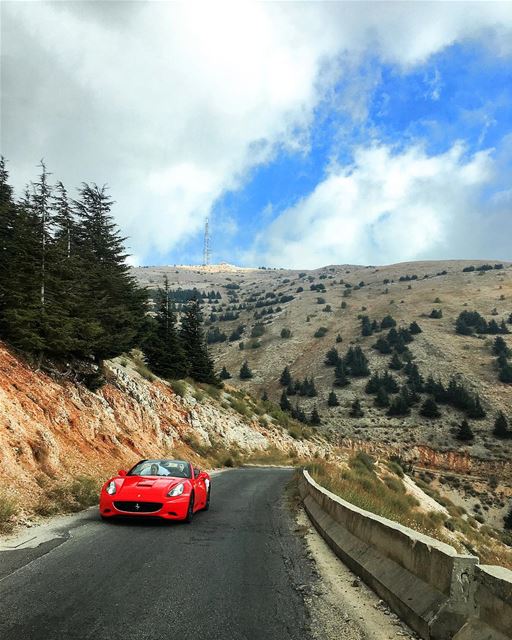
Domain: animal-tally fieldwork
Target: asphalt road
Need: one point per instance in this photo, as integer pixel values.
(236, 573)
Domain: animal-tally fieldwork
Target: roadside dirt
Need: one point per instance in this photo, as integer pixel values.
(341, 605)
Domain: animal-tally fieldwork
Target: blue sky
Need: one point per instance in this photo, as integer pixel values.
(309, 133)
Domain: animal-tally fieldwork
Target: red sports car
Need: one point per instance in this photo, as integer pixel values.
(170, 489)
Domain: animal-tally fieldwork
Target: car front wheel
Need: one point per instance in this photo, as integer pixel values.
(190, 510)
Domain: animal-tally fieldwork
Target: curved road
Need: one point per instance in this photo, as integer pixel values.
(236, 573)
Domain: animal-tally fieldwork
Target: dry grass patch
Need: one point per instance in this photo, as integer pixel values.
(8, 509)
(69, 497)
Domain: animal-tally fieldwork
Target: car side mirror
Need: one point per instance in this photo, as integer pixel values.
(121, 472)
(197, 473)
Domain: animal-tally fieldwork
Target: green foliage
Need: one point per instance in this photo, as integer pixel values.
(162, 345)
(65, 287)
(332, 357)
(429, 409)
(8, 508)
(507, 520)
(245, 371)
(356, 362)
(332, 400)
(69, 497)
(286, 379)
(315, 417)
(501, 428)
(320, 332)
(286, 333)
(464, 432)
(356, 410)
(224, 374)
(284, 403)
(199, 364)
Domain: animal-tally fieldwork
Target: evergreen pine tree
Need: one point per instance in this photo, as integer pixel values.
(290, 390)
(112, 307)
(162, 345)
(340, 375)
(501, 429)
(505, 374)
(284, 403)
(264, 396)
(332, 357)
(429, 409)
(224, 374)
(507, 520)
(356, 410)
(464, 432)
(499, 347)
(366, 326)
(315, 417)
(357, 363)
(332, 400)
(286, 378)
(415, 328)
(245, 371)
(199, 364)
(382, 398)
(474, 409)
(399, 405)
(396, 363)
(340, 339)
(311, 389)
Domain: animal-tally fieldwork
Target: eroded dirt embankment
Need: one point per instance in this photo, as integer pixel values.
(53, 429)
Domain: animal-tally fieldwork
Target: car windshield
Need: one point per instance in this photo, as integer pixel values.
(173, 468)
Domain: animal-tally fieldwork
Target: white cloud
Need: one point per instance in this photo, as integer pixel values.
(387, 206)
(175, 103)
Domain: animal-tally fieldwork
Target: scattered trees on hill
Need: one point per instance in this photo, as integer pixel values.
(436, 314)
(470, 322)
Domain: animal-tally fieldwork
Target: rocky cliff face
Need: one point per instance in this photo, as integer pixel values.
(52, 429)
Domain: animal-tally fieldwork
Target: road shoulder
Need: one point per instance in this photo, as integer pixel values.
(341, 605)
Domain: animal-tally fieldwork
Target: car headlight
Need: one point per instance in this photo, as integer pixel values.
(111, 488)
(177, 490)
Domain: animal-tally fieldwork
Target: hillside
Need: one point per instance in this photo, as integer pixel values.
(55, 431)
(264, 302)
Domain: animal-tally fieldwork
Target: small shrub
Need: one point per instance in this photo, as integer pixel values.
(8, 509)
(179, 387)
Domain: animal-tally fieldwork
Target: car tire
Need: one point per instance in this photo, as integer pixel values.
(207, 505)
(190, 510)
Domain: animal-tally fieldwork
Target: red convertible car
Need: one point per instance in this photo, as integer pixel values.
(170, 489)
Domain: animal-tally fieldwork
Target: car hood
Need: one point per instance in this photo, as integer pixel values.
(146, 488)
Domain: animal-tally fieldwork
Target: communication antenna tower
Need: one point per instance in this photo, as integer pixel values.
(206, 247)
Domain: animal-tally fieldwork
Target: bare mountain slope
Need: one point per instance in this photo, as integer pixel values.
(284, 300)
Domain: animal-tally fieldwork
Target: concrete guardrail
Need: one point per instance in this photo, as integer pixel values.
(438, 592)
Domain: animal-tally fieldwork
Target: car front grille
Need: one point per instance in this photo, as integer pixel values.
(138, 507)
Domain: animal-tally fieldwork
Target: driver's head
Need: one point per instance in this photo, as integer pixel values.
(154, 469)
